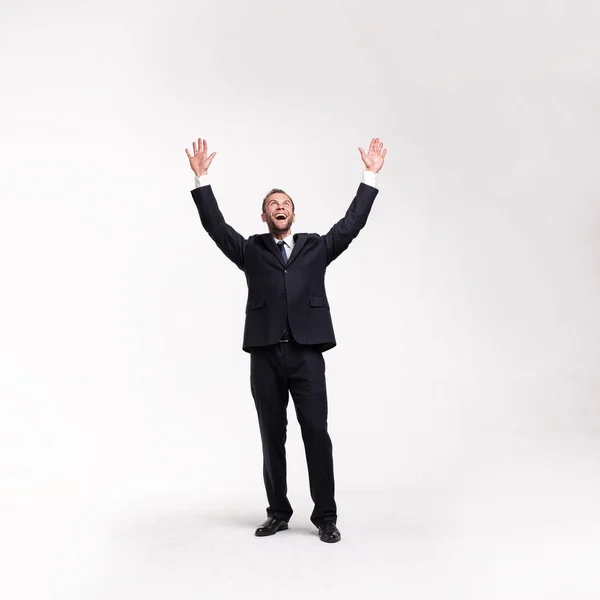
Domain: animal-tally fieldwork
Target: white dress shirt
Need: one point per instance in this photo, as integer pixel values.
(369, 178)
(288, 243)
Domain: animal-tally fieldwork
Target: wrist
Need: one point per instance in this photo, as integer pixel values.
(200, 173)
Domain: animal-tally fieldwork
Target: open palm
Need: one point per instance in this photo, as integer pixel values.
(375, 157)
(200, 161)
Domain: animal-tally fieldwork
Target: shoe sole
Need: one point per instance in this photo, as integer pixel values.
(283, 528)
(331, 541)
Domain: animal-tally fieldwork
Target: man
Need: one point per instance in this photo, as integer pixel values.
(288, 327)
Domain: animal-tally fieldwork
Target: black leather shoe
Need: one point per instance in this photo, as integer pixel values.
(271, 526)
(328, 532)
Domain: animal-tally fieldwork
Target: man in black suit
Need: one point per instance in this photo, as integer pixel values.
(288, 327)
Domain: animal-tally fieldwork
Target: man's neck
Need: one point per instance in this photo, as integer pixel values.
(281, 235)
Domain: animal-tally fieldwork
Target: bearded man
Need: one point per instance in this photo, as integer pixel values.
(288, 327)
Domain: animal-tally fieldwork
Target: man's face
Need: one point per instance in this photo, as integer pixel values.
(279, 213)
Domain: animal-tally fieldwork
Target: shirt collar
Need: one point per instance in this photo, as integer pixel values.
(289, 241)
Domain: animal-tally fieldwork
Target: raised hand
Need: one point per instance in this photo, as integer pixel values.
(375, 157)
(200, 161)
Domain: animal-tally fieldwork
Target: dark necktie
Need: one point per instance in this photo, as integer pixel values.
(281, 245)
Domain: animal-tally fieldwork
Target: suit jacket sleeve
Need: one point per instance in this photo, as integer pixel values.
(338, 238)
(229, 241)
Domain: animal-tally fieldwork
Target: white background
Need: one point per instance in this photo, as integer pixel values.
(464, 390)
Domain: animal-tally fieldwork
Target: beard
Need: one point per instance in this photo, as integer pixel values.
(283, 225)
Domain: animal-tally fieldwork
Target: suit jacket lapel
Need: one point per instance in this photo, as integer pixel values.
(299, 241)
(272, 246)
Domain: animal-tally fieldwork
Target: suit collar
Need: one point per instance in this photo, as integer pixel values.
(290, 240)
(299, 241)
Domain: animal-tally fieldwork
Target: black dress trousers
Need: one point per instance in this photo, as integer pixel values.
(300, 370)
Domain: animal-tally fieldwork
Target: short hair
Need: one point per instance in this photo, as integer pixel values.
(277, 191)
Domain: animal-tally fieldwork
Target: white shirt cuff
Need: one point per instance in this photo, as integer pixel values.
(370, 178)
(202, 180)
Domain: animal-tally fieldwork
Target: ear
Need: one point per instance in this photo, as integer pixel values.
(263, 217)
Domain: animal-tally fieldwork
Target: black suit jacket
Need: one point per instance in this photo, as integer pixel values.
(285, 294)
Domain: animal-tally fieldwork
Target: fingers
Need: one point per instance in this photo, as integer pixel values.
(362, 153)
(377, 146)
(188, 153)
(210, 158)
(200, 148)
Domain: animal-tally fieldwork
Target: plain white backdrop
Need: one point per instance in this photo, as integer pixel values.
(464, 390)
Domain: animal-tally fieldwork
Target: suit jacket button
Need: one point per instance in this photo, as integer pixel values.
(283, 295)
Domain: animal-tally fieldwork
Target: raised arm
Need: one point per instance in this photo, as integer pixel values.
(338, 238)
(229, 241)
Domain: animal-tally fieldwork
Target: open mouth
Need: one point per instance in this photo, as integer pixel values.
(280, 217)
